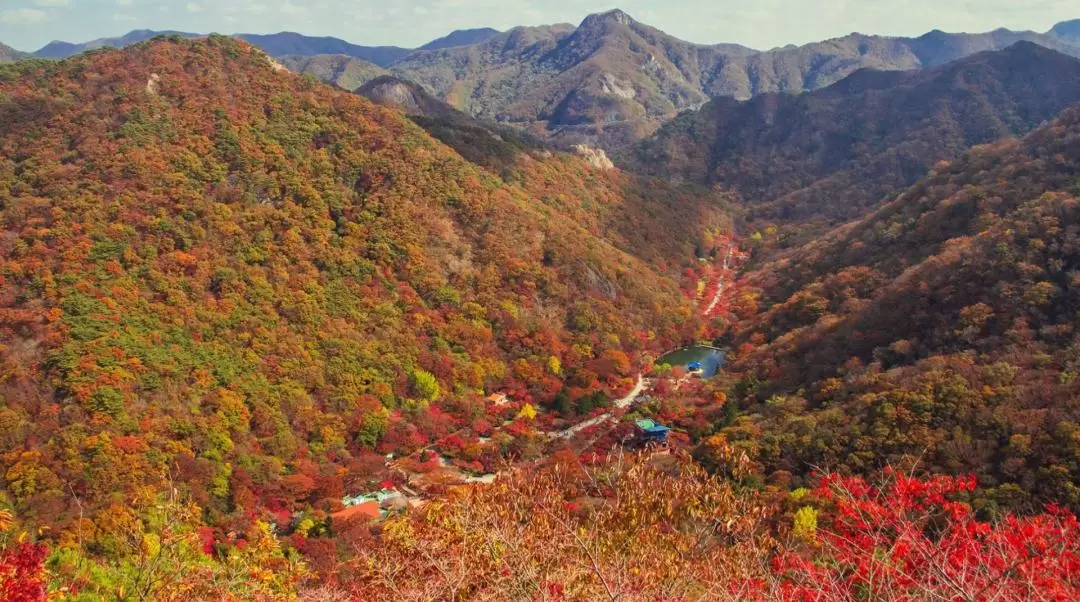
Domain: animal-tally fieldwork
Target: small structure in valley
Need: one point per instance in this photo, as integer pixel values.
(499, 399)
(368, 510)
(374, 506)
(653, 432)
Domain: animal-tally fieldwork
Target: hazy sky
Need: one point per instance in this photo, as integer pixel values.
(30, 24)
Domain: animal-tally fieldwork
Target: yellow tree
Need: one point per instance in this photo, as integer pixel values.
(633, 529)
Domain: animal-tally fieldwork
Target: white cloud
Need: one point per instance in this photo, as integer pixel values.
(124, 2)
(288, 8)
(22, 16)
(193, 7)
(253, 8)
(53, 2)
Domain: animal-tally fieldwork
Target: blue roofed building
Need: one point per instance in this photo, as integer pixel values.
(652, 431)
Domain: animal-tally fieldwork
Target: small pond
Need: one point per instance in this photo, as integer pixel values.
(711, 360)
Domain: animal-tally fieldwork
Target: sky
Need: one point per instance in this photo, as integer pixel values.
(29, 24)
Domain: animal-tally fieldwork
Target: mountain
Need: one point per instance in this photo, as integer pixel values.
(340, 70)
(836, 151)
(225, 280)
(9, 54)
(284, 44)
(62, 50)
(277, 45)
(613, 80)
(461, 37)
(937, 47)
(408, 97)
(939, 331)
(796, 69)
(645, 222)
(288, 43)
(609, 80)
(1067, 31)
(493, 146)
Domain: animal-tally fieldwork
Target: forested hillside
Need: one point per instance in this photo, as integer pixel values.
(265, 338)
(227, 279)
(835, 153)
(937, 332)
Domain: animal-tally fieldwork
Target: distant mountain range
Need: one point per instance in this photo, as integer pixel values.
(279, 44)
(836, 151)
(612, 80)
(289, 43)
(340, 70)
(62, 50)
(461, 37)
(1067, 31)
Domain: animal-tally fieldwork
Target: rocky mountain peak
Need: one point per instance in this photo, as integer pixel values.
(604, 19)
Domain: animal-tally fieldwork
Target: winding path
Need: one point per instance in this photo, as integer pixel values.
(628, 400)
(719, 285)
(621, 403)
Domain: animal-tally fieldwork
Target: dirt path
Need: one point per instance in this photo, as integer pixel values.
(720, 284)
(621, 403)
(625, 402)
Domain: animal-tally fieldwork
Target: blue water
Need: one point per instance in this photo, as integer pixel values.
(712, 360)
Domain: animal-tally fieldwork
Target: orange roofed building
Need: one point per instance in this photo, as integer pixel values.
(367, 509)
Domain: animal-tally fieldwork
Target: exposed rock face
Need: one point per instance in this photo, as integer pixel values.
(408, 97)
(595, 157)
(394, 92)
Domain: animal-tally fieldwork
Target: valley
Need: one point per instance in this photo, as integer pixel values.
(566, 312)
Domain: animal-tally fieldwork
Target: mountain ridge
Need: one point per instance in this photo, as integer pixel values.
(285, 43)
(837, 151)
(937, 331)
(611, 80)
(9, 54)
(461, 37)
(344, 71)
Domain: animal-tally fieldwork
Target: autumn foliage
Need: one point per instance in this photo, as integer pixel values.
(239, 283)
(910, 539)
(938, 332)
(22, 572)
(232, 298)
(647, 528)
